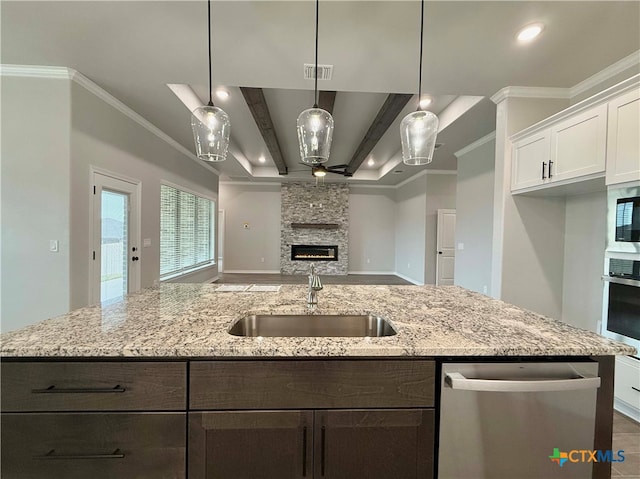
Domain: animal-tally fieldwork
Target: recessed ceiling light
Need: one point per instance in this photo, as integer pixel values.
(222, 94)
(425, 102)
(529, 32)
(262, 159)
(371, 162)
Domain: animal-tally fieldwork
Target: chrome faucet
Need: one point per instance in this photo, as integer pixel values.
(315, 285)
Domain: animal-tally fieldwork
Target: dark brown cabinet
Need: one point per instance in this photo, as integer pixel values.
(93, 445)
(251, 445)
(376, 444)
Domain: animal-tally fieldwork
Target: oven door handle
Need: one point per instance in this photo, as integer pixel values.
(456, 380)
(627, 281)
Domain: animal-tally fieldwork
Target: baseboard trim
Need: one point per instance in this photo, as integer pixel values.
(626, 409)
(252, 271)
(411, 280)
(371, 272)
(214, 279)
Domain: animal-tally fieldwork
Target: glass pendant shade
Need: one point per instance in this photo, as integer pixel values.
(418, 132)
(211, 128)
(315, 130)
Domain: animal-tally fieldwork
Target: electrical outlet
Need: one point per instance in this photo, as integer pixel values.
(262, 260)
(368, 261)
(460, 246)
(408, 265)
(484, 289)
(53, 246)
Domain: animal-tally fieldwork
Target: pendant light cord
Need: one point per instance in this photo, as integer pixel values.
(315, 96)
(421, 41)
(209, 30)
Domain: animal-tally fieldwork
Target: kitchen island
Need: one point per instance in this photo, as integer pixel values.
(154, 386)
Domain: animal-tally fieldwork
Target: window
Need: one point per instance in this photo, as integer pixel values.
(186, 231)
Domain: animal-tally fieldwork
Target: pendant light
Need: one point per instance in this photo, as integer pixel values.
(419, 129)
(210, 124)
(315, 125)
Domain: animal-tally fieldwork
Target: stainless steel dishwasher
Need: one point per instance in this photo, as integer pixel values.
(504, 420)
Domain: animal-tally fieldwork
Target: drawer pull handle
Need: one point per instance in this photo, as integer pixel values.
(52, 455)
(635, 388)
(55, 390)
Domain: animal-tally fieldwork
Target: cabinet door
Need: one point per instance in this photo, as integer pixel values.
(93, 446)
(578, 145)
(623, 140)
(250, 445)
(376, 444)
(530, 161)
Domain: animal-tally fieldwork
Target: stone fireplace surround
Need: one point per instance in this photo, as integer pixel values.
(320, 216)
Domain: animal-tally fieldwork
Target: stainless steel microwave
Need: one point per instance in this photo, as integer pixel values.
(623, 219)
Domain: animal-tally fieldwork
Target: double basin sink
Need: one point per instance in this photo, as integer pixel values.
(308, 325)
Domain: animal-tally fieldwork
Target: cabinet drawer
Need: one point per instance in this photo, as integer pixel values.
(93, 445)
(627, 381)
(311, 384)
(93, 386)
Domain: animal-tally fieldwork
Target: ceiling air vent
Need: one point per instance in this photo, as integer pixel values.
(325, 72)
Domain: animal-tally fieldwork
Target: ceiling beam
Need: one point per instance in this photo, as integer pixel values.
(391, 108)
(260, 111)
(326, 100)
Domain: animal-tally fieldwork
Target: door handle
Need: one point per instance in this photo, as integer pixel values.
(304, 451)
(323, 437)
(135, 258)
(458, 381)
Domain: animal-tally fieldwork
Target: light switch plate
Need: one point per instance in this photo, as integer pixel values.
(146, 242)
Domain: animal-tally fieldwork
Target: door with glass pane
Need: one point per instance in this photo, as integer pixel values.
(116, 255)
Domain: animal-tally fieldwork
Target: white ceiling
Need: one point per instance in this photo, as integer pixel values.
(134, 49)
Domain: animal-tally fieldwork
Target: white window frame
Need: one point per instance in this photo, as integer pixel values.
(212, 233)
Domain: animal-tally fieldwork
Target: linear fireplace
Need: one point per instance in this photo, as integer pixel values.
(302, 252)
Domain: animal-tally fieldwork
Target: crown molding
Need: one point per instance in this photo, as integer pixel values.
(472, 146)
(53, 72)
(593, 81)
(531, 92)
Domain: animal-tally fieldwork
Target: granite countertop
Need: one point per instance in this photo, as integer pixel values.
(191, 320)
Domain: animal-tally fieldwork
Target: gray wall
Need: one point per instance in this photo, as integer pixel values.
(371, 237)
(584, 246)
(77, 130)
(528, 233)
(441, 194)
(474, 218)
(259, 206)
(410, 229)
(35, 200)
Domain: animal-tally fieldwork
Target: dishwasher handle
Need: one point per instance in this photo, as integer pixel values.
(456, 380)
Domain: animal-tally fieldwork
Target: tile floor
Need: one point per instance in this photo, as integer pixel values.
(626, 436)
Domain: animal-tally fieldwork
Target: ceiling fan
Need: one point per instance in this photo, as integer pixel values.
(320, 170)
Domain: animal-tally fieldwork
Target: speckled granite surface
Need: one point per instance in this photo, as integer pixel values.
(191, 320)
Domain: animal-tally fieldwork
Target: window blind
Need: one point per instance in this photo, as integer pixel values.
(186, 231)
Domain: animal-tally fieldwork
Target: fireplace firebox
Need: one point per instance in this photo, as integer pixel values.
(303, 252)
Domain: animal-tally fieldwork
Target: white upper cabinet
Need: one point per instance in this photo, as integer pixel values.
(531, 160)
(573, 150)
(578, 145)
(623, 140)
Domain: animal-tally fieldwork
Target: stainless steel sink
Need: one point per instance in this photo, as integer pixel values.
(306, 325)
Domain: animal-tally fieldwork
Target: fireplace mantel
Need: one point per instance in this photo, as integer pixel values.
(317, 226)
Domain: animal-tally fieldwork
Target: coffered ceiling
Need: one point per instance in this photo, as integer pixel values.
(135, 49)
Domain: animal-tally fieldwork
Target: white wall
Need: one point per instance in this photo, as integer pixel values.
(371, 232)
(584, 246)
(77, 129)
(35, 200)
(441, 194)
(474, 218)
(410, 229)
(259, 206)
